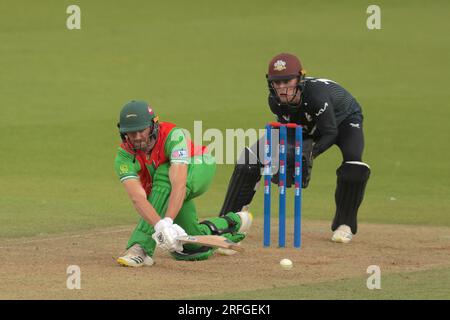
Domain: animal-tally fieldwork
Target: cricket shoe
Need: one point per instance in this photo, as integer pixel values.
(135, 257)
(246, 223)
(342, 234)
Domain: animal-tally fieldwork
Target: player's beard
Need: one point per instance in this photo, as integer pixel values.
(151, 145)
(140, 144)
(146, 145)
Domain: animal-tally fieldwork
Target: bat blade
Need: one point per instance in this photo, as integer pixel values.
(211, 241)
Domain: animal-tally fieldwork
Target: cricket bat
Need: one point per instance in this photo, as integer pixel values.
(211, 241)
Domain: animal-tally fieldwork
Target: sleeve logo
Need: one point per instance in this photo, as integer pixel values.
(123, 169)
(182, 153)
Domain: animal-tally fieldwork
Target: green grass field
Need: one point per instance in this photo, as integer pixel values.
(61, 92)
(399, 286)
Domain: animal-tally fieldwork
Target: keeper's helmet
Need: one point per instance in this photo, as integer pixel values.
(285, 66)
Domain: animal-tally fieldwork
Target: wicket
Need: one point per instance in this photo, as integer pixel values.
(282, 183)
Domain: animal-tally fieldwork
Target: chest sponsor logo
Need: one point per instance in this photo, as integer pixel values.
(322, 110)
(308, 117)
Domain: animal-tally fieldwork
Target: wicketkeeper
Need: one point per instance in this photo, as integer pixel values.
(330, 115)
(162, 172)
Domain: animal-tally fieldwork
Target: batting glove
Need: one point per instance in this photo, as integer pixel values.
(166, 234)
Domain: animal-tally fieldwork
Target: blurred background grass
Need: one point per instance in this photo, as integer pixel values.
(62, 90)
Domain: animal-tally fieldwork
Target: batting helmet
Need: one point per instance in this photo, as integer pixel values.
(137, 116)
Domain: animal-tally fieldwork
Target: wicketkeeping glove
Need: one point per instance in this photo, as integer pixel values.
(307, 161)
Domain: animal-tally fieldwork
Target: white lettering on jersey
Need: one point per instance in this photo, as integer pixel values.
(355, 125)
(308, 117)
(326, 81)
(322, 110)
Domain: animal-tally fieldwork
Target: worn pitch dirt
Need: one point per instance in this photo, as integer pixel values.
(35, 268)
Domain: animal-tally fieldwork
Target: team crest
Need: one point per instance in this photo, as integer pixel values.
(123, 169)
(279, 65)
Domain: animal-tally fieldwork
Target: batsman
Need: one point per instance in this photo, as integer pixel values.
(329, 115)
(163, 172)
